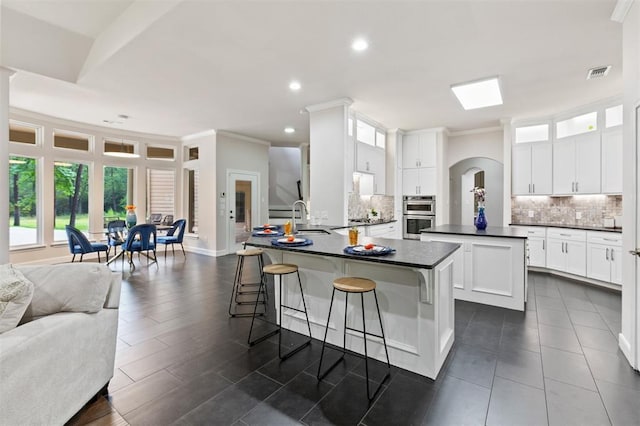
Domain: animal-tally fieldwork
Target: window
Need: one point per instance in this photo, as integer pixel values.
(23, 202)
(160, 191)
(192, 153)
(71, 198)
(574, 126)
(118, 192)
(159, 153)
(365, 133)
(120, 148)
(536, 133)
(70, 140)
(192, 201)
(350, 126)
(22, 133)
(381, 139)
(613, 116)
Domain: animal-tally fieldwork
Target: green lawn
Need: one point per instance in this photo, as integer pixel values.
(82, 221)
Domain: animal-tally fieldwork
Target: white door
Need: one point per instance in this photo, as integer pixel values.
(521, 172)
(537, 252)
(611, 161)
(576, 253)
(410, 152)
(243, 207)
(598, 261)
(541, 171)
(556, 258)
(588, 163)
(427, 181)
(410, 182)
(564, 169)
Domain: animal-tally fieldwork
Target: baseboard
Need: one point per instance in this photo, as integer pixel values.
(578, 278)
(625, 347)
(203, 251)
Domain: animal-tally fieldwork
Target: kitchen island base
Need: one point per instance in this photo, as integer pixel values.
(416, 304)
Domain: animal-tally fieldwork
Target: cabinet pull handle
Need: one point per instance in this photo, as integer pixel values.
(577, 187)
(543, 241)
(562, 247)
(533, 185)
(611, 239)
(565, 235)
(566, 247)
(607, 255)
(529, 188)
(612, 259)
(573, 187)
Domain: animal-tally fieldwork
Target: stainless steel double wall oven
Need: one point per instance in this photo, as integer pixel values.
(419, 212)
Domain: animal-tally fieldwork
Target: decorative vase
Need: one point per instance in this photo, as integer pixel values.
(481, 220)
(131, 218)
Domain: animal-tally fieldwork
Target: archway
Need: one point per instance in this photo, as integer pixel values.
(467, 174)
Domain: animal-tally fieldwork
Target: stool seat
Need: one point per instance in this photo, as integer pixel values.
(280, 269)
(354, 284)
(250, 252)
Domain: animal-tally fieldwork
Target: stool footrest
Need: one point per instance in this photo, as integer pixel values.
(367, 333)
(264, 337)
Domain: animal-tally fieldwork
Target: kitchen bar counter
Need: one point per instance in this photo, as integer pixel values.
(414, 287)
(491, 268)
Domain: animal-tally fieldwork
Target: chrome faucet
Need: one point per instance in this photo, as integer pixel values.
(293, 214)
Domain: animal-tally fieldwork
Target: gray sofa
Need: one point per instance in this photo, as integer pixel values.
(62, 353)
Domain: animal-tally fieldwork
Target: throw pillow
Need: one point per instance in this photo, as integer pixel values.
(16, 293)
(76, 287)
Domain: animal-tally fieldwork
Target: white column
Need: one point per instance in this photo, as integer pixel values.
(5, 75)
(330, 180)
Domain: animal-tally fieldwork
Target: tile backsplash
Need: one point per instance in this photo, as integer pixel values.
(564, 210)
(360, 206)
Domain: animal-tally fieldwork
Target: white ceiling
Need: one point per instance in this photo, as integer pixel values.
(182, 67)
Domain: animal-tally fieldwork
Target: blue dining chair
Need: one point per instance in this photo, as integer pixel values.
(116, 229)
(141, 238)
(175, 235)
(80, 244)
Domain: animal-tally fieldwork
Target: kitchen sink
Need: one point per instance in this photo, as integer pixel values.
(312, 232)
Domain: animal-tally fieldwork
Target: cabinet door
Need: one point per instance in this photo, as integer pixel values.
(427, 149)
(410, 181)
(541, 170)
(521, 170)
(427, 181)
(365, 155)
(611, 161)
(379, 170)
(615, 258)
(564, 169)
(576, 253)
(588, 163)
(537, 252)
(555, 254)
(410, 151)
(598, 262)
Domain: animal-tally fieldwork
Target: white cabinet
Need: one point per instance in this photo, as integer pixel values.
(420, 181)
(419, 150)
(370, 159)
(604, 251)
(577, 165)
(384, 230)
(536, 245)
(612, 161)
(567, 250)
(531, 169)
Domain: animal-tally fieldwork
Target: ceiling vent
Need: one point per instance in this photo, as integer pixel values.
(598, 72)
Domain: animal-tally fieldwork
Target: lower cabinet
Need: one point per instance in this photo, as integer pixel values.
(604, 257)
(567, 250)
(384, 230)
(536, 245)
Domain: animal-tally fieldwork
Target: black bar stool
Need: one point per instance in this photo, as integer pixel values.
(279, 270)
(355, 285)
(238, 284)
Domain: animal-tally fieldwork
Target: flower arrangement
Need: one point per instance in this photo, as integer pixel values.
(130, 207)
(479, 194)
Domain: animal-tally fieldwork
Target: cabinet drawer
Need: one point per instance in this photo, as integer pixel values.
(567, 234)
(533, 231)
(608, 238)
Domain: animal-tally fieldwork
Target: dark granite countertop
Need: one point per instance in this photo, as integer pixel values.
(359, 223)
(584, 228)
(411, 253)
(491, 231)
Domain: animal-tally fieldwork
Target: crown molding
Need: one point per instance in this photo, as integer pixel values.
(432, 130)
(243, 138)
(8, 71)
(188, 138)
(477, 131)
(621, 10)
(331, 104)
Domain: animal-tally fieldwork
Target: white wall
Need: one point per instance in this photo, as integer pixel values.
(285, 169)
(235, 152)
(478, 143)
(329, 182)
(630, 335)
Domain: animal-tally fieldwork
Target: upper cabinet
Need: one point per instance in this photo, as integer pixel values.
(612, 161)
(370, 156)
(532, 169)
(419, 150)
(576, 165)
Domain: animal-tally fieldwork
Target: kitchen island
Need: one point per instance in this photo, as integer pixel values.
(491, 267)
(414, 287)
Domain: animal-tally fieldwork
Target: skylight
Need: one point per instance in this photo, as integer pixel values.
(478, 94)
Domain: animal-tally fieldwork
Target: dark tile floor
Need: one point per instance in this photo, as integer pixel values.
(182, 360)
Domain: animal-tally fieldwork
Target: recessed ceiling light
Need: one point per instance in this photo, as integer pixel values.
(295, 85)
(289, 130)
(479, 93)
(359, 45)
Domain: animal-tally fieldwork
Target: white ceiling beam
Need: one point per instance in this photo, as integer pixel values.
(126, 27)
